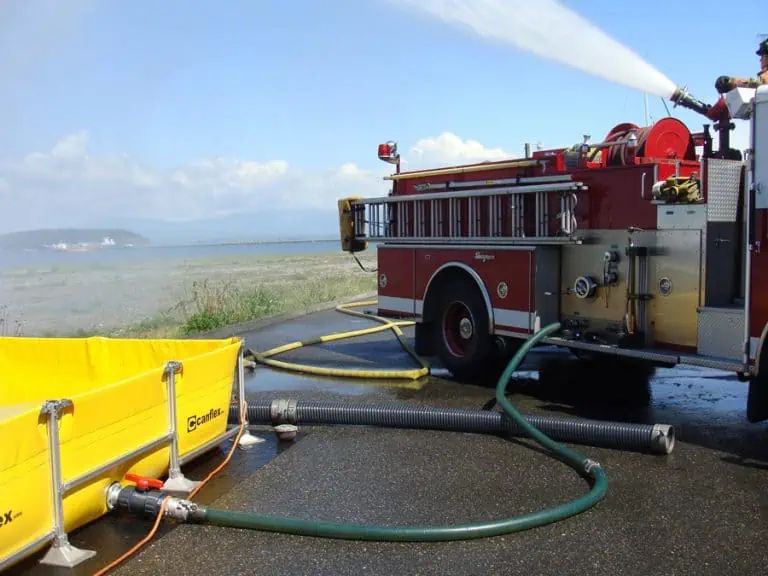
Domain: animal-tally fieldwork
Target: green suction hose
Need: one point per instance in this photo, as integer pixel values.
(587, 468)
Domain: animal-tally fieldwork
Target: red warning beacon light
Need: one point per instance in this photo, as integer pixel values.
(388, 153)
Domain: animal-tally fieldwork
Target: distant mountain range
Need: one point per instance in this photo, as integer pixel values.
(268, 225)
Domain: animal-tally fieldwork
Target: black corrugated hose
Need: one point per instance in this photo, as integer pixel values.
(653, 438)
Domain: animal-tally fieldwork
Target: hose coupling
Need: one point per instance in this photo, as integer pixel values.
(183, 510)
(284, 412)
(590, 465)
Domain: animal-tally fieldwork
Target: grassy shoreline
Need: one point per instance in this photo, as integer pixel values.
(211, 305)
(179, 298)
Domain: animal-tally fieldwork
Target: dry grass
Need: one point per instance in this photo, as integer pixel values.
(210, 304)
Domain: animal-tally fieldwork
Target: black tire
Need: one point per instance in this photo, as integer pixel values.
(468, 353)
(423, 340)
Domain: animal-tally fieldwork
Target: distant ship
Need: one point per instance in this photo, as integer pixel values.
(64, 247)
(106, 242)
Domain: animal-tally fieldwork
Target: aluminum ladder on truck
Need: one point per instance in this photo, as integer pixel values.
(487, 211)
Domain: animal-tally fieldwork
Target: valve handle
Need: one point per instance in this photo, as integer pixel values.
(142, 483)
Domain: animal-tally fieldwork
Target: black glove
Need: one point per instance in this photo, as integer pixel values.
(724, 84)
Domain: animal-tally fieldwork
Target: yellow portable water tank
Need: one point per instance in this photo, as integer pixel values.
(347, 231)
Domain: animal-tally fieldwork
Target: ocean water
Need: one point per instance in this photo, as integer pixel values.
(46, 258)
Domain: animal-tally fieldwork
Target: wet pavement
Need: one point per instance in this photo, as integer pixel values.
(703, 509)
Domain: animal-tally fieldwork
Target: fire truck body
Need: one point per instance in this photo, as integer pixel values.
(637, 245)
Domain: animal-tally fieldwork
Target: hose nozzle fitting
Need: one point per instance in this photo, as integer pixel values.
(681, 97)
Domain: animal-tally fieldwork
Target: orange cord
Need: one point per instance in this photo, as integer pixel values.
(153, 531)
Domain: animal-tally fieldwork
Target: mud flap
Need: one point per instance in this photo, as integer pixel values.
(757, 398)
(423, 339)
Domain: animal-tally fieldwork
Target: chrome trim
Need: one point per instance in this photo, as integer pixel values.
(746, 228)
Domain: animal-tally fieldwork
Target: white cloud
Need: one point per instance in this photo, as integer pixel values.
(68, 185)
(448, 148)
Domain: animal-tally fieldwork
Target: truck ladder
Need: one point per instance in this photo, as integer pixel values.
(494, 214)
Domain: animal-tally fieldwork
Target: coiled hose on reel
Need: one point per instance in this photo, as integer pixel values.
(585, 467)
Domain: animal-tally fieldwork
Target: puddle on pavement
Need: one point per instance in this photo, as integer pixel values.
(713, 395)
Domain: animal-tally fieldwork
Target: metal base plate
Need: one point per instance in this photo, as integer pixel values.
(180, 486)
(66, 556)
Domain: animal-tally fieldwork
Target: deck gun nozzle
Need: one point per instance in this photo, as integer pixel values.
(681, 97)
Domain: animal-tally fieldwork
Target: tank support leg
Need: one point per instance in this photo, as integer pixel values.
(247, 440)
(176, 484)
(61, 552)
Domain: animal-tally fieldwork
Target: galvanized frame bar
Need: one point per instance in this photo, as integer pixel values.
(61, 552)
(90, 475)
(247, 440)
(171, 369)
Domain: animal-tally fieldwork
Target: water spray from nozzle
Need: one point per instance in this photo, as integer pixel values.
(550, 30)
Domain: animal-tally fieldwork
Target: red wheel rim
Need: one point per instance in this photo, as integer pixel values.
(458, 329)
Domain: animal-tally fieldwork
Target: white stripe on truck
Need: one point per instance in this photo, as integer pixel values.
(502, 317)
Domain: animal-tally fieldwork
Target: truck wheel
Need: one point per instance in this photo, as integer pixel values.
(461, 330)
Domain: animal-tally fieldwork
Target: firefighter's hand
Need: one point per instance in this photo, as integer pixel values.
(724, 84)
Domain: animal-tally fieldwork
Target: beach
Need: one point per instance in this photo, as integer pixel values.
(158, 296)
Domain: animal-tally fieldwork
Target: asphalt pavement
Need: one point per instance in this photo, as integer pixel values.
(701, 510)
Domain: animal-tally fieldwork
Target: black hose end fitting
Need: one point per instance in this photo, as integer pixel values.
(147, 503)
(141, 502)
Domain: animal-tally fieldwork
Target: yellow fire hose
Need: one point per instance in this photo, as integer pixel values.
(412, 374)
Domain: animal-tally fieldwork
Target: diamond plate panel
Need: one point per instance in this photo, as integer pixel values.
(721, 332)
(723, 182)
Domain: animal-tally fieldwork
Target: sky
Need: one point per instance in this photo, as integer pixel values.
(185, 109)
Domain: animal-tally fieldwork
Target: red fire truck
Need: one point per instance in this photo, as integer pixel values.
(646, 245)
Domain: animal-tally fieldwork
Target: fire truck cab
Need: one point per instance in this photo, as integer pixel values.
(641, 246)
